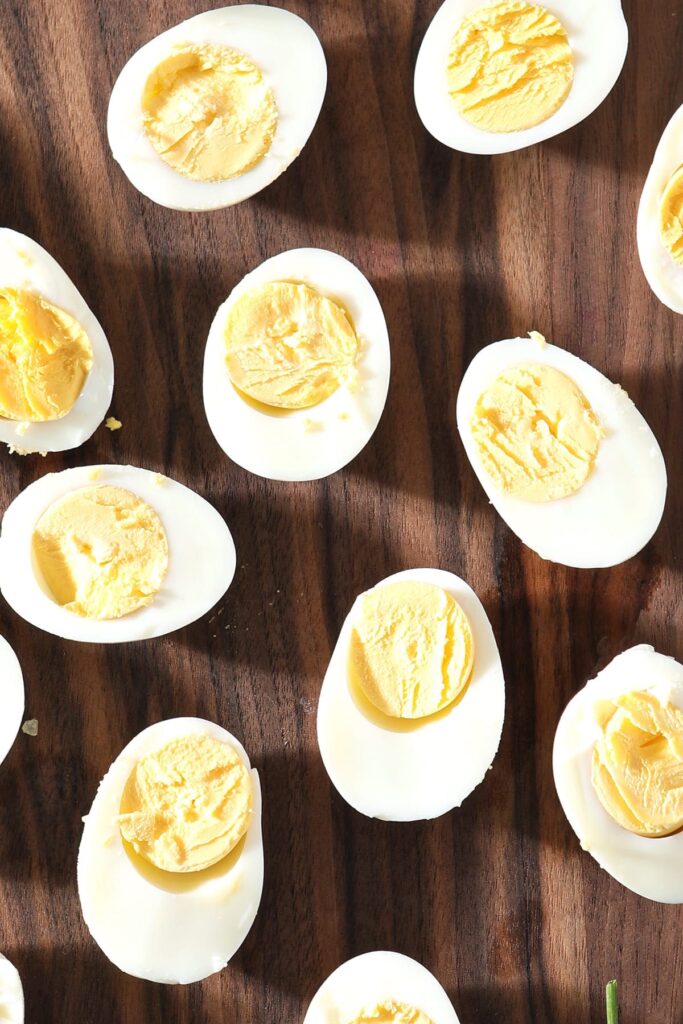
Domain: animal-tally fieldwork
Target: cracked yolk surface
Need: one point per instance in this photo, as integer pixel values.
(671, 216)
(535, 433)
(187, 805)
(208, 112)
(411, 649)
(510, 66)
(101, 552)
(391, 1012)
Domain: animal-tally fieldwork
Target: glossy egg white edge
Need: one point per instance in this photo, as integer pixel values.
(427, 771)
(628, 480)
(303, 444)
(26, 265)
(11, 698)
(201, 561)
(11, 993)
(663, 274)
(371, 978)
(598, 36)
(649, 867)
(287, 51)
(147, 931)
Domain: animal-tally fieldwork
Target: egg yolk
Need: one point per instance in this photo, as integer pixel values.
(288, 346)
(391, 1012)
(45, 358)
(638, 764)
(411, 649)
(187, 805)
(101, 552)
(671, 216)
(535, 433)
(509, 67)
(208, 112)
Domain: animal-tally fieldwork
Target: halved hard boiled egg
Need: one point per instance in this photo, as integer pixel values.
(618, 766)
(170, 866)
(412, 704)
(296, 370)
(494, 77)
(11, 698)
(107, 554)
(660, 218)
(56, 367)
(563, 454)
(11, 993)
(216, 108)
(381, 986)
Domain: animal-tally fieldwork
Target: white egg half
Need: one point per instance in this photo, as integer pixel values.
(11, 698)
(649, 867)
(598, 36)
(11, 993)
(201, 561)
(663, 274)
(286, 50)
(303, 444)
(26, 265)
(372, 978)
(618, 509)
(427, 769)
(157, 925)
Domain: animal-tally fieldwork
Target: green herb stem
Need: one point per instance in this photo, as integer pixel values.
(612, 1003)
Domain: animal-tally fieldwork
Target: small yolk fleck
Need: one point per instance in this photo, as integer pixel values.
(208, 112)
(187, 805)
(111, 423)
(101, 552)
(535, 432)
(411, 650)
(510, 66)
(391, 1012)
(638, 764)
(288, 346)
(45, 357)
(671, 216)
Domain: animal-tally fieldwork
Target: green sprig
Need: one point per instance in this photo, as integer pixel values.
(612, 1003)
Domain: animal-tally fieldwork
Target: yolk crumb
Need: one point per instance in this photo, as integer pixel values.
(111, 423)
(391, 1012)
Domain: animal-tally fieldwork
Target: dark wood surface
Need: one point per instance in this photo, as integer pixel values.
(496, 898)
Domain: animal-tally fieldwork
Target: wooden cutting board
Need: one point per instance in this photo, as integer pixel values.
(496, 898)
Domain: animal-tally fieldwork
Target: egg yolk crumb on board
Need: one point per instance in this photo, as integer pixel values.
(411, 650)
(288, 346)
(45, 357)
(671, 216)
(510, 66)
(187, 805)
(101, 552)
(208, 112)
(390, 1012)
(638, 764)
(535, 432)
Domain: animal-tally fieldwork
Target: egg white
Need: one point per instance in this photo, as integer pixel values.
(619, 507)
(286, 50)
(25, 264)
(428, 770)
(173, 937)
(663, 274)
(11, 993)
(303, 444)
(598, 36)
(371, 978)
(201, 561)
(649, 867)
(11, 697)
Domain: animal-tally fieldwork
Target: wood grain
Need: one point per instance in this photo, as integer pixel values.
(496, 898)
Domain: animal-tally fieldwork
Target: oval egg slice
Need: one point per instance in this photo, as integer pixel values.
(664, 274)
(11, 993)
(11, 698)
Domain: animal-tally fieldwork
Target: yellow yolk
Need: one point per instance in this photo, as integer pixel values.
(101, 552)
(510, 66)
(411, 650)
(208, 112)
(288, 346)
(186, 806)
(535, 433)
(671, 216)
(638, 764)
(45, 357)
(391, 1012)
